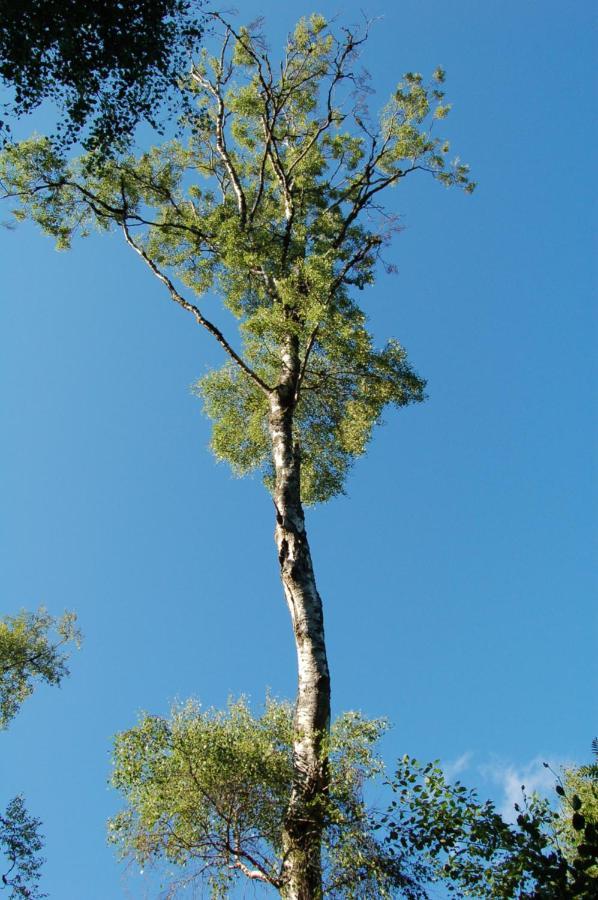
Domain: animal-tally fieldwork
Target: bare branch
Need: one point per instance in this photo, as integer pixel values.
(373, 186)
(259, 871)
(194, 310)
(216, 92)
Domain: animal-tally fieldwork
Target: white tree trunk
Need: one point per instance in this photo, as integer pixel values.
(303, 826)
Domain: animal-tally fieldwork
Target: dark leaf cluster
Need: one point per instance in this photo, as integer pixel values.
(107, 66)
(20, 844)
(454, 838)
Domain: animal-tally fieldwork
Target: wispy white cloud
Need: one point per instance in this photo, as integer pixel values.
(454, 767)
(502, 780)
(510, 778)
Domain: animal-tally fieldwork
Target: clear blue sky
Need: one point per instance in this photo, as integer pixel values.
(456, 575)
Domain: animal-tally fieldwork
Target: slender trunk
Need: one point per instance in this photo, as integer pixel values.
(301, 873)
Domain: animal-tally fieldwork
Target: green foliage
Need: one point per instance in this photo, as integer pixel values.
(20, 844)
(281, 220)
(207, 792)
(577, 824)
(452, 837)
(31, 649)
(202, 780)
(344, 393)
(108, 66)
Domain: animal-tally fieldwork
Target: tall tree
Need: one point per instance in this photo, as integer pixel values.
(273, 202)
(107, 65)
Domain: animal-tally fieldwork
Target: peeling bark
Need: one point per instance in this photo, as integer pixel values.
(301, 871)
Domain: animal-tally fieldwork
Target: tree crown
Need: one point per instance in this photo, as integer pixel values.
(207, 791)
(31, 648)
(272, 203)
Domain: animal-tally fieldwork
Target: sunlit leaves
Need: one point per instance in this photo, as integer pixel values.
(203, 787)
(240, 415)
(32, 648)
(288, 142)
(347, 384)
(207, 789)
(203, 782)
(577, 823)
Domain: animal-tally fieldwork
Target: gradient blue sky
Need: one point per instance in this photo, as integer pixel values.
(456, 574)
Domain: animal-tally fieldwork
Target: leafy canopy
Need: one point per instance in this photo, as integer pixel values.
(578, 815)
(106, 65)
(449, 836)
(31, 649)
(272, 203)
(207, 793)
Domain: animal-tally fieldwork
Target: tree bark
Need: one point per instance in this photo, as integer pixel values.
(301, 872)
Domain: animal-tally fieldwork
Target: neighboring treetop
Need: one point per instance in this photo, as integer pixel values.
(32, 650)
(108, 66)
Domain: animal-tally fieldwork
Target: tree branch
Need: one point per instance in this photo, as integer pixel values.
(215, 91)
(369, 244)
(194, 310)
(251, 873)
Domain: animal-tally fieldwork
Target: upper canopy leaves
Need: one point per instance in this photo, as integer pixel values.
(272, 203)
